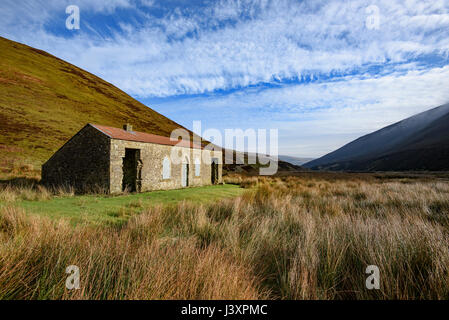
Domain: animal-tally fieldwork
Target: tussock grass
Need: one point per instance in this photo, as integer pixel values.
(30, 190)
(131, 263)
(284, 238)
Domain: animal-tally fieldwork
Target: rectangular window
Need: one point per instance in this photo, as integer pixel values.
(197, 167)
(166, 168)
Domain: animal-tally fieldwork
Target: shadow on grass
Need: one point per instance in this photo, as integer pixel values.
(20, 182)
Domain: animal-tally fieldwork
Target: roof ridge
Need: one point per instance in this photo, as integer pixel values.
(139, 136)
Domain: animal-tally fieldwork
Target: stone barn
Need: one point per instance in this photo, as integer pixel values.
(114, 160)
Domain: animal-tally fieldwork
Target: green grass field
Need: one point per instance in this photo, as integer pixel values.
(103, 209)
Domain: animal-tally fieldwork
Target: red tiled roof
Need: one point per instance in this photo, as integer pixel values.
(120, 134)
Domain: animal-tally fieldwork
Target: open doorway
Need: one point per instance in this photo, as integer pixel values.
(214, 171)
(132, 171)
(185, 173)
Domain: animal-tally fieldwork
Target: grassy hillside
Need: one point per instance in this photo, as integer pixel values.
(45, 100)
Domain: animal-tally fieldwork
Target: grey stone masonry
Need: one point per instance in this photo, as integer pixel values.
(82, 163)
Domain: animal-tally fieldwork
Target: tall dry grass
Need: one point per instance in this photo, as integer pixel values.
(30, 189)
(132, 263)
(286, 238)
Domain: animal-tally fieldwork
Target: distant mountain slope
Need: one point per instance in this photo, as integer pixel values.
(295, 160)
(254, 168)
(45, 100)
(420, 142)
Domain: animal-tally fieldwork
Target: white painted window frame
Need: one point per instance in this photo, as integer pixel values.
(197, 167)
(166, 168)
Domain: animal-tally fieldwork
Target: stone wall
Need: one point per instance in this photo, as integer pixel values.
(82, 163)
(152, 156)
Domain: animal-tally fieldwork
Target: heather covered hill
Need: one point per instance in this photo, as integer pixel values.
(45, 100)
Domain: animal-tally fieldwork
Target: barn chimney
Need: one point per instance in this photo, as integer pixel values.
(128, 127)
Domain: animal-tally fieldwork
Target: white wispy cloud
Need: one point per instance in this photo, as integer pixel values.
(315, 118)
(266, 41)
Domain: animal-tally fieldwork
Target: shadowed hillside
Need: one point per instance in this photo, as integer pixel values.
(420, 142)
(45, 100)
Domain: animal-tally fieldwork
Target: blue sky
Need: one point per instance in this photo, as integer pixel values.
(312, 69)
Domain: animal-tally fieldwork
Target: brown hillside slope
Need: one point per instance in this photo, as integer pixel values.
(45, 100)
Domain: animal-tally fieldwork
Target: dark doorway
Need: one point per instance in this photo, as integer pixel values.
(214, 171)
(132, 171)
(185, 173)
